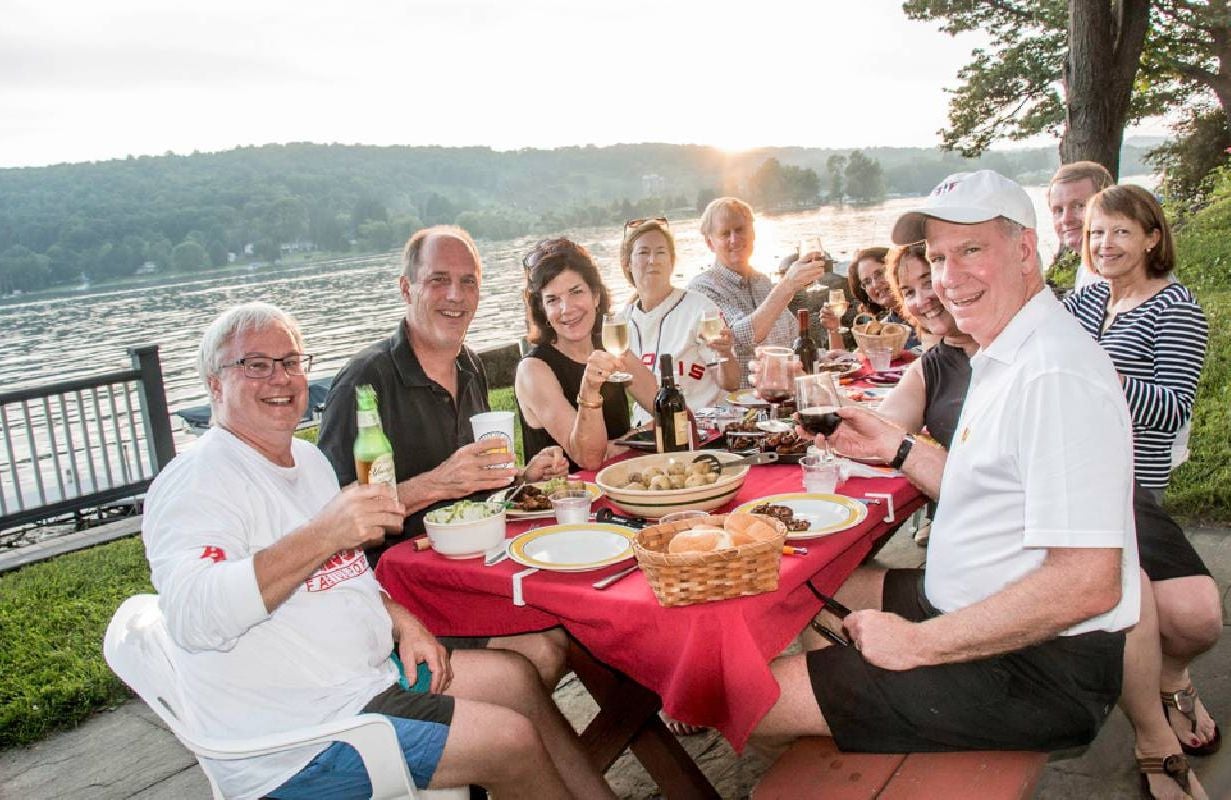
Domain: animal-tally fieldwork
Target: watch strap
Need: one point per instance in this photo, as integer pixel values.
(908, 442)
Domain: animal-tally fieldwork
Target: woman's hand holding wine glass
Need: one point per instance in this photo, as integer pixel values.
(717, 336)
(615, 342)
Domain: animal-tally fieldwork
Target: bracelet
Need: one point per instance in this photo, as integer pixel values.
(908, 442)
(592, 404)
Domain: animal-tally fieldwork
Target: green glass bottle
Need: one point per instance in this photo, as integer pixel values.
(373, 453)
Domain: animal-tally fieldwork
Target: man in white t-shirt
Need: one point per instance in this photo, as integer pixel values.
(279, 624)
(1013, 638)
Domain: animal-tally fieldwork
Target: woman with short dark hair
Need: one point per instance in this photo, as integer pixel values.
(562, 385)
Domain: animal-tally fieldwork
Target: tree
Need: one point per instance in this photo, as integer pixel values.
(865, 180)
(1201, 147)
(189, 256)
(1052, 66)
(835, 165)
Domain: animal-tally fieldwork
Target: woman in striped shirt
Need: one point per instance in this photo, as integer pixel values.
(1156, 334)
(1151, 327)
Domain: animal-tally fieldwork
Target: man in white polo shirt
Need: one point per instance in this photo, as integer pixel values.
(1013, 637)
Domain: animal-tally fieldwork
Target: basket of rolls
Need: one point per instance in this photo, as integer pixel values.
(871, 332)
(711, 558)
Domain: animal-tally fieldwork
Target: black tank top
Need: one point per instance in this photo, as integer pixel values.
(946, 378)
(569, 372)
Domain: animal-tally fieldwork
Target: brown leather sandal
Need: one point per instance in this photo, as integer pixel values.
(1185, 701)
(1174, 767)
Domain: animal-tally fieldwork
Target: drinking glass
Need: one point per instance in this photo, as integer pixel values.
(774, 384)
(818, 399)
(811, 245)
(709, 328)
(838, 305)
(615, 342)
(821, 474)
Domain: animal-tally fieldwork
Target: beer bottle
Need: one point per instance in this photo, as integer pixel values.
(671, 425)
(373, 453)
(805, 347)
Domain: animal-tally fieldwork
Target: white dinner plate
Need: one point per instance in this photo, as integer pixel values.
(826, 513)
(547, 513)
(572, 548)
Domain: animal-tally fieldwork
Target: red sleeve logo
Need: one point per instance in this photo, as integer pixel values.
(214, 554)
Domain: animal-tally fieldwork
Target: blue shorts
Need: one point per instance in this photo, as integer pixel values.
(422, 724)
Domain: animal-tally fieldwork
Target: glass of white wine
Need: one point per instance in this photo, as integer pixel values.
(838, 305)
(709, 328)
(811, 246)
(615, 342)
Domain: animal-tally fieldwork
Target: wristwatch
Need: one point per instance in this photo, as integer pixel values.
(908, 441)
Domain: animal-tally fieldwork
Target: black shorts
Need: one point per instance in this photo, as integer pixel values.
(1164, 550)
(452, 643)
(1051, 696)
(397, 702)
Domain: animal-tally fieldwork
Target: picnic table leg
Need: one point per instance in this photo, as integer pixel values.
(628, 718)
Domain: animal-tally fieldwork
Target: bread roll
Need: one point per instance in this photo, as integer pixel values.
(699, 539)
(749, 528)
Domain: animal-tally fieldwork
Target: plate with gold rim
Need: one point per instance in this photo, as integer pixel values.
(513, 512)
(826, 513)
(572, 548)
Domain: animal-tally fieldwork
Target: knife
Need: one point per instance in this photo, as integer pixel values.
(610, 579)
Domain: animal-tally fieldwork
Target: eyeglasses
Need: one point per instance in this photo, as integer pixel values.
(637, 223)
(837, 609)
(263, 366)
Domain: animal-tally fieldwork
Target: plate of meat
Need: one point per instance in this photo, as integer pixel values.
(809, 515)
(533, 500)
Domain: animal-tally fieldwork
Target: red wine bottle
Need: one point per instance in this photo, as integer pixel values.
(804, 345)
(671, 426)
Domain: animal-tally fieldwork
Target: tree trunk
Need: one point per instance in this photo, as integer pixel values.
(1105, 42)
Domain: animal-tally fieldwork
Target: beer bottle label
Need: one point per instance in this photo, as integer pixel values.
(367, 419)
(382, 471)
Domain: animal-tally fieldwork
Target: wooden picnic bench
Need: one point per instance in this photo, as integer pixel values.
(813, 767)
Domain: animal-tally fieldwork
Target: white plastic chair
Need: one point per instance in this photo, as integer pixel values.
(138, 649)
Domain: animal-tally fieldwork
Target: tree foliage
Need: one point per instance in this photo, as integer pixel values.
(865, 180)
(775, 185)
(1041, 51)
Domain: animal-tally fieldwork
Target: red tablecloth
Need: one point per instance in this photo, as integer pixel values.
(708, 661)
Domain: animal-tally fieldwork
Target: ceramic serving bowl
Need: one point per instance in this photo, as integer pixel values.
(468, 539)
(655, 503)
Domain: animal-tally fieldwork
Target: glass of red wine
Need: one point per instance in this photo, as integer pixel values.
(774, 384)
(818, 399)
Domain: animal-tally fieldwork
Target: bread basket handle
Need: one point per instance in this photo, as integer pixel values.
(863, 315)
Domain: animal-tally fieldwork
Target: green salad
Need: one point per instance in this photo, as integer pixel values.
(462, 511)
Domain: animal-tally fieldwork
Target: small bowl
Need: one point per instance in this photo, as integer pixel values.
(469, 539)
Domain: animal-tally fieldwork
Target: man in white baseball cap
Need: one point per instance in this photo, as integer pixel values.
(1013, 636)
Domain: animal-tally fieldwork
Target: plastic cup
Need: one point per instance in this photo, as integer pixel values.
(572, 506)
(820, 474)
(879, 358)
(495, 428)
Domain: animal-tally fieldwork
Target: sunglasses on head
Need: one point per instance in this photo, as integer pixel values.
(637, 223)
(837, 609)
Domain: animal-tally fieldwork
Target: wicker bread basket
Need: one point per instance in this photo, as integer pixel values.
(891, 334)
(680, 579)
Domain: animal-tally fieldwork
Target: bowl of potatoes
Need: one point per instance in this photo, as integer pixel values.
(655, 485)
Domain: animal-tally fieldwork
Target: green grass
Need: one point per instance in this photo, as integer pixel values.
(52, 619)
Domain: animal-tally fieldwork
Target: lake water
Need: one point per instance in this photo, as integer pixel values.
(344, 305)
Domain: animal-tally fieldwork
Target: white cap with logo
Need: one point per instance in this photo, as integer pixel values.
(967, 198)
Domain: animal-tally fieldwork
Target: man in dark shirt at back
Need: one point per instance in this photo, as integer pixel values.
(428, 385)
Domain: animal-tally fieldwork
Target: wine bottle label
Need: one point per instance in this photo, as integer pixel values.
(681, 428)
(367, 419)
(382, 471)
(658, 438)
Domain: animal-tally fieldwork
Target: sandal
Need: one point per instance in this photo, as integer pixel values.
(1185, 701)
(1174, 767)
(678, 728)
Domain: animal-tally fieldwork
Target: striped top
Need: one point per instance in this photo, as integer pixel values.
(737, 298)
(1158, 348)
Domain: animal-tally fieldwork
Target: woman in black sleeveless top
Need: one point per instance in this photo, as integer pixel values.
(561, 384)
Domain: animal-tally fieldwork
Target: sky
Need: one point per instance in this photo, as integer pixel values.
(87, 80)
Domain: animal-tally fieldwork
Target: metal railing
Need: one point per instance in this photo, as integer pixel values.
(83, 443)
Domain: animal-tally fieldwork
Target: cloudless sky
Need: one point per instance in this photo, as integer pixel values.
(89, 80)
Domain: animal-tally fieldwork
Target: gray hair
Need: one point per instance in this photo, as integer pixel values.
(236, 321)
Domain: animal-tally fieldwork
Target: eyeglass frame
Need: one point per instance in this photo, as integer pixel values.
(302, 360)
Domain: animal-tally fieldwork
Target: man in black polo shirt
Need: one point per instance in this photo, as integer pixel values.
(429, 384)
